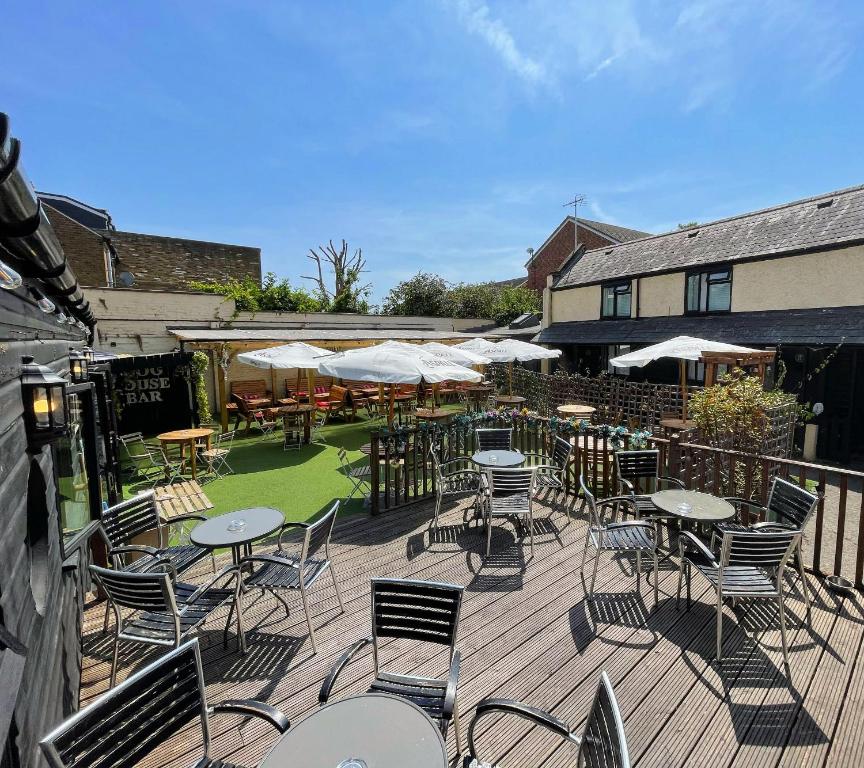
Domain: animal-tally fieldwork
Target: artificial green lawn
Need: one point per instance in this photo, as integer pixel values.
(300, 483)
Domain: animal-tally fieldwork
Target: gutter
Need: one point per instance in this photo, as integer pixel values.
(27, 235)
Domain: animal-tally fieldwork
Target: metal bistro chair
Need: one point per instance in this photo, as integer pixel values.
(216, 458)
(164, 611)
(552, 470)
(292, 432)
(638, 475)
(265, 422)
(789, 507)
(494, 439)
(510, 493)
(129, 722)
(129, 519)
(415, 610)
(358, 476)
(280, 570)
(602, 743)
(610, 536)
(146, 463)
(751, 564)
(454, 480)
(319, 421)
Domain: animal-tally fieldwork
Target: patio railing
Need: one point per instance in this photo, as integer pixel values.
(404, 475)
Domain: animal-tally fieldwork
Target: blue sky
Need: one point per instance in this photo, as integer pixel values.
(439, 135)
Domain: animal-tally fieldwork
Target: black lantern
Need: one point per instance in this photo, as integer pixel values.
(77, 366)
(44, 395)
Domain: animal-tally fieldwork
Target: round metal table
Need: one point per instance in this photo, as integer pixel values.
(373, 730)
(498, 458)
(705, 507)
(220, 531)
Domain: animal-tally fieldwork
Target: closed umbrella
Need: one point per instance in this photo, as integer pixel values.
(298, 355)
(682, 348)
(394, 363)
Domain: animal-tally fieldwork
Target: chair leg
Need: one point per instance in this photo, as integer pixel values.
(336, 585)
(805, 587)
(689, 579)
(241, 634)
(638, 567)
(456, 726)
(308, 618)
(437, 510)
(488, 534)
(107, 612)
(584, 554)
(783, 629)
(114, 657)
(680, 580)
(594, 575)
(531, 533)
(719, 626)
(656, 580)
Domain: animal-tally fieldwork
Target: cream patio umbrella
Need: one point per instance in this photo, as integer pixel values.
(298, 355)
(394, 363)
(682, 348)
(459, 356)
(508, 350)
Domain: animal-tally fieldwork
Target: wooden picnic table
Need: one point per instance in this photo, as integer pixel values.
(187, 437)
(182, 498)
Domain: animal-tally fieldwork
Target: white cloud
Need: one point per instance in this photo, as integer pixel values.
(478, 19)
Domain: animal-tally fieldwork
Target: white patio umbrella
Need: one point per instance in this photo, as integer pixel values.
(298, 355)
(682, 348)
(394, 363)
(456, 354)
(508, 350)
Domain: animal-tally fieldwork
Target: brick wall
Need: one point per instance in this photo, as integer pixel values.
(84, 249)
(552, 255)
(170, 263)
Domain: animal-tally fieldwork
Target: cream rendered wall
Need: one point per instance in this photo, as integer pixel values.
(574, 304)
(827, 279)
(661, 295)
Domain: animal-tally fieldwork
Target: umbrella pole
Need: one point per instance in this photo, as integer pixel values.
(510, 378)
(297, 385)
(310, 385)
(683, 368)
(392, 403)
(273, 384)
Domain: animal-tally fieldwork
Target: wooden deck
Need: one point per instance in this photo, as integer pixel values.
(527, 632)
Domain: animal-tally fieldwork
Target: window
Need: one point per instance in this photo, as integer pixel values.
(614, 350)
(709, 291)
(616, 300)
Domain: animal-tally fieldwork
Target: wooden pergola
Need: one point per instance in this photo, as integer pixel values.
(755, 363)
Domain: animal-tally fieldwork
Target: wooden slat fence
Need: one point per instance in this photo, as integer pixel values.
(404, 475)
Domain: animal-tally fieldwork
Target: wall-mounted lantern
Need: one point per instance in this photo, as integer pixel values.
(77, 366)
(44, 395)
(89, 354)
(9, 278)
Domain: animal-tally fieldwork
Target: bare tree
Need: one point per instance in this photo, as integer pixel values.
(346, 295)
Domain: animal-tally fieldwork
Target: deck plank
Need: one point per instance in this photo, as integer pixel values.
(528, 632)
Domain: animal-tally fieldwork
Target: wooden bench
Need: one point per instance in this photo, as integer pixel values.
(253, 393)
(338, 400)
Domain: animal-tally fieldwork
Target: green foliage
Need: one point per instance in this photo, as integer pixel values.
(688, 224)
(734, 413)
(432, 296)
(272, 295)
(200, 364)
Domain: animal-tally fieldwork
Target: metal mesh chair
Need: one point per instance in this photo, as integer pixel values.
(552, 470)
(358, 476)
(494, 439)
(129, 722)
(602, 743)
(638, 475)
(216, 458)
(510, 493)
(163, 611)
(751, 564)
(454, 480)
(415, 610)
(611, 536)
(280, 571)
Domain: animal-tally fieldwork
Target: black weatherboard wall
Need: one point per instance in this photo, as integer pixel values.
(42, 582)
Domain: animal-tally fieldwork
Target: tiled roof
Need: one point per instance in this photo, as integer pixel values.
(771, 327)
(817, 222)
(613, 231)
(513, 282)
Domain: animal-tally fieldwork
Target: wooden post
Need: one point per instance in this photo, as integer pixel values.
(310, 385)
(673, 455)
(223, 404)
(683, 367)
(374, 478)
